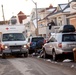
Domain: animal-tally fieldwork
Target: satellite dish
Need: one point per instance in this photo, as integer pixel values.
(13, 21)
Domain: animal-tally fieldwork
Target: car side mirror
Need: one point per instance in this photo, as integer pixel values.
(47, 42)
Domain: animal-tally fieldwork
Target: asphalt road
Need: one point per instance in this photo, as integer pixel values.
(32, 66)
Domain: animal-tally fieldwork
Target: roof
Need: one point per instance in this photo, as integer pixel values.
(62, 6)
(52, 11)
(21, 16)
(20, 12)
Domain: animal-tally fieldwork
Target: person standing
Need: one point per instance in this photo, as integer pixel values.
(50, 24)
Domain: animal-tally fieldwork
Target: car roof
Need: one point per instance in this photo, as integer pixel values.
(63, 33)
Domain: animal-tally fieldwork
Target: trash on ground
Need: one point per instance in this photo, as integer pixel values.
(38, 56)
(48, 60)
(41, 55)
(67, 60)
(55, 62)
(72, 66)
(34, 54)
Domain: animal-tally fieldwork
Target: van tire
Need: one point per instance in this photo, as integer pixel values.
(3, 55)
(54, 56)
(25, 54)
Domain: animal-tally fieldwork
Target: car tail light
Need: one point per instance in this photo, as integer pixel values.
(44, 41)
(30, 43)
(65, 52)
(60, 45)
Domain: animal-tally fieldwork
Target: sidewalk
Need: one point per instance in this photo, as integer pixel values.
(68, 64)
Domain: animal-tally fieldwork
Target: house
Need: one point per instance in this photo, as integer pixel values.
(21, 16)
(26, 22)
(43, 28)
(4, 22)
(72, 15)
(62, 14)
(58, 15)
(34, 18)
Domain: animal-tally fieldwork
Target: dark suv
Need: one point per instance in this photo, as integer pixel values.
(35, 43)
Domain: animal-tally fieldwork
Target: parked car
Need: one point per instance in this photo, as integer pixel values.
(35, 43)
(60, 43)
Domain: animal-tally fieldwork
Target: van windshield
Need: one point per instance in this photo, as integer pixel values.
(69, 37)
(13, 37)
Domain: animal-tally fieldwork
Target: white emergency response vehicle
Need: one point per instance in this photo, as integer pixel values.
(13, 40)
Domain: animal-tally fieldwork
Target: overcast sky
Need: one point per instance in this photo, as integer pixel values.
(12, 7)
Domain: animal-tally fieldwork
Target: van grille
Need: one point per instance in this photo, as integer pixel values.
(15, 47)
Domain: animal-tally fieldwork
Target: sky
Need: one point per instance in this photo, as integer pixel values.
(12, 7)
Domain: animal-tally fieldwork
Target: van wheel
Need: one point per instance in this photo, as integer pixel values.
(3, 55)
(54, 56)
(25, 54)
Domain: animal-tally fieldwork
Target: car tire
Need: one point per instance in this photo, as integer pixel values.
(54, 56)
(44, 54)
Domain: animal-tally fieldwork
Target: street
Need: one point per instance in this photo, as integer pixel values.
(38, 37)
(32, 66)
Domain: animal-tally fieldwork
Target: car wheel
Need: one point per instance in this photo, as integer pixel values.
(54, 56)
(41, 54)
(44, 54)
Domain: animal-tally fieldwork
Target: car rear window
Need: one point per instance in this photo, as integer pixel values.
(36, 39)
(68, 37)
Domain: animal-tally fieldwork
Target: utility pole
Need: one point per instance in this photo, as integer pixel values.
(36, 15)
(3, 13)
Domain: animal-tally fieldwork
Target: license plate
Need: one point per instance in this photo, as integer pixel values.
(72, 45)
(16, 50)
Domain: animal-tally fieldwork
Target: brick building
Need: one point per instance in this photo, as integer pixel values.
(21, 16)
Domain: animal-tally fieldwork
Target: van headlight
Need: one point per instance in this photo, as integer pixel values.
(5, 47)
(24, 46)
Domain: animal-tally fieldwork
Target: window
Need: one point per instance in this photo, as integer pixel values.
(37, 39)
(53, 39)
(69, 37)
(13, 37)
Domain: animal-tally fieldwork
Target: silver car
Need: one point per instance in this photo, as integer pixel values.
(60, 43)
